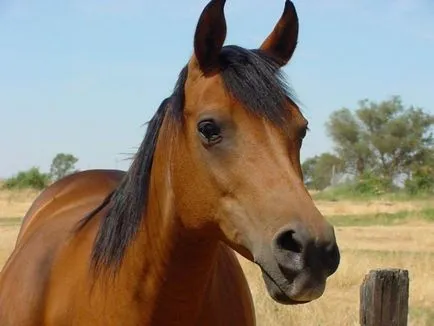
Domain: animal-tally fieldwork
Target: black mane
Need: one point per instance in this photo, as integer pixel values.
(251, 77)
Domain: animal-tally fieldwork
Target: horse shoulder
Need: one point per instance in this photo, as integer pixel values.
(25, 279)
(79, 185)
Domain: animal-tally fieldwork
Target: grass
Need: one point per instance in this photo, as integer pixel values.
(340, 303)
(424, 315)
(8, 235)
(384, 219)
(10, 221)
(16, 202)
(372, 233)
(346, 192)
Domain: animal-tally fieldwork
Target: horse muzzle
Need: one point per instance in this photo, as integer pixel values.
(296, 266)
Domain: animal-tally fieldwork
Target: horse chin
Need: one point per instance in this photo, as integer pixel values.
(298, 290)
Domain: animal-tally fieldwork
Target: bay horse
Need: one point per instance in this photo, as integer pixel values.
(218, 171)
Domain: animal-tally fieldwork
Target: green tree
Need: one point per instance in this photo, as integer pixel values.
(421, 181)
(308, 168)
(62, 165)
(318, 170)
(32, 178)
(350, 140)
(421, 178)
(385, 138)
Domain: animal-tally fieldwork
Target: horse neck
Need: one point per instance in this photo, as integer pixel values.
(174, 266)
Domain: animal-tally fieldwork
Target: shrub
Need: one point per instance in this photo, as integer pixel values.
(422, 181)
(32, 178)
(371, 184)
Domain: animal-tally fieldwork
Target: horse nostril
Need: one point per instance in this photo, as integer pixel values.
(287, 241)
(322, 257)
(296, 249)
(331, 258)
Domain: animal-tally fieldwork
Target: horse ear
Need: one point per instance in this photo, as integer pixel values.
(282, 41)
(210, 35)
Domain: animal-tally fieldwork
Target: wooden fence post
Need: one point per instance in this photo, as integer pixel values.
(384, 298)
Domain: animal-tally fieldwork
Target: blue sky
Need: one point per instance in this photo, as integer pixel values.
(83, 76)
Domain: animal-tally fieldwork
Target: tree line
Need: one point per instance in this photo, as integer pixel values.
(62, 165)
(375, 146)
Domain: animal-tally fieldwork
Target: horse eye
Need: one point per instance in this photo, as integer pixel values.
(304, 132)
(210, 131)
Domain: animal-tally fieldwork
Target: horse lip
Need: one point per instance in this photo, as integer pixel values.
(291, 287)
(283, 298)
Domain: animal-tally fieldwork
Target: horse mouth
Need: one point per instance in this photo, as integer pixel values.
(291, 291)
(276, 293)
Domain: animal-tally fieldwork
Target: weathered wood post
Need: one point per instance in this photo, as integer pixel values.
(384, 298)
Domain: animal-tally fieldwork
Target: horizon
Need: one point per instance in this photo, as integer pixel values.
(82, 77)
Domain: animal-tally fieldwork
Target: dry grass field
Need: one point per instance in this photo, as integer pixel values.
(408, 243)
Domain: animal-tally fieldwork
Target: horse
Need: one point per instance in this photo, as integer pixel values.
(217, 173)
